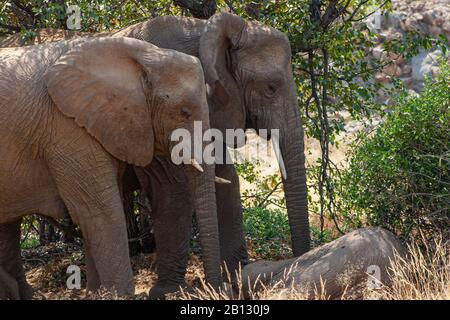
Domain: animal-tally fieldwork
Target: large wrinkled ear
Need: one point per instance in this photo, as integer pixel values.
(103, 86)
(223, 35)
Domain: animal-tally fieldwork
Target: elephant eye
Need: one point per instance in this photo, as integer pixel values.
(271, 89)
(185, 113)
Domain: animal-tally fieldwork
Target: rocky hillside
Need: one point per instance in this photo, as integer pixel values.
(430, 17)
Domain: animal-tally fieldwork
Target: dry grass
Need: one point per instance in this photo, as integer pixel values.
(423, 275)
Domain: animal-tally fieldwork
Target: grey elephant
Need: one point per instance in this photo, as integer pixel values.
(361, 258)
(72, 114)
(248, 70)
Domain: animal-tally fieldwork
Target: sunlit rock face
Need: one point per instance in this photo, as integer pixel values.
(427, 17)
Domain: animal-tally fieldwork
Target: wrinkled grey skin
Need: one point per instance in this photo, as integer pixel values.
(356, 259)
(247, 67)
(71, 114)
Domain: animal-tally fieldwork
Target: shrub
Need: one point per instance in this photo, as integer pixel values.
(399, 176)
(268, 232)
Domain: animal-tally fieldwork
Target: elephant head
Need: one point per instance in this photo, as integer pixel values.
(130, 96)
(248, 70)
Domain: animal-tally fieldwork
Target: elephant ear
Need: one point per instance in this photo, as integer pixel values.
(223, 35)
(103, 86)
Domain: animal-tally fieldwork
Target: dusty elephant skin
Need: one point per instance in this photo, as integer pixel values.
(71, 114)
(344, 262)
(248, 70)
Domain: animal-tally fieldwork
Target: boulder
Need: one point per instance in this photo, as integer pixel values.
(422, 64)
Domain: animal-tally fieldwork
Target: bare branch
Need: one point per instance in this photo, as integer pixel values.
(27, 9)
(10, 27)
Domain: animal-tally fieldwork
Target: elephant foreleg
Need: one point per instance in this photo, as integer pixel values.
(10, 259)
(93, 280)
(172, 211)
(88, 185)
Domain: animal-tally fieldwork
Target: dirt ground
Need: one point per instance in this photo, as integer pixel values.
(46, 268)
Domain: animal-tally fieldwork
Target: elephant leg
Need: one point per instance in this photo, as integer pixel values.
(172, 211)
(88, 184)
(93, 280)
(105, 236)
(10, 259)
(233, 247)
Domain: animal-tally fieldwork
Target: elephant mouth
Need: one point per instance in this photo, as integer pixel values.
(252, 122)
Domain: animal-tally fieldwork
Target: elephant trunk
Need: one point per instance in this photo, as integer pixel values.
(292, 165)
(203, 192)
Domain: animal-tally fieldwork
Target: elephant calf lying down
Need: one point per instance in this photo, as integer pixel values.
(72, 114)
(360, 257)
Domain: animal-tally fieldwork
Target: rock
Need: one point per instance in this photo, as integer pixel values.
(391, 20)
(417, 16)
(418, 6)
(339, 265)
(393, 35)
(446, 26)
(381, 77)
(429, 17)
(439, 22)
(392, 70)
(399, 60)
(413, 93)
(435, 31)
(435, 71)
(377, 52)
(422, 63)
(407, 82)
(406, 70)
(413, 24)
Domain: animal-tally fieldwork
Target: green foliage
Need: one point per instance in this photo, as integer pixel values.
(96, 15)
(264, 190)
(321, 236)
(30, 234)
(30, 243)
(399, 177)
(268, 232)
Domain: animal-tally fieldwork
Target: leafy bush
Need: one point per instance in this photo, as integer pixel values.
(399, 177)
(268, 232)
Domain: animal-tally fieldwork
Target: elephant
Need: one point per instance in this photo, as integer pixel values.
(361, 257)
(73, 114)
(250, 85)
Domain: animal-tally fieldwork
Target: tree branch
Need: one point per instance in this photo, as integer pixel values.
(28, 10)
(9, 27)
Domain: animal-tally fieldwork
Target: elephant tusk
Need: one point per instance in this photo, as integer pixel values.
(221, 180)
(196, 165)
(276, 148)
